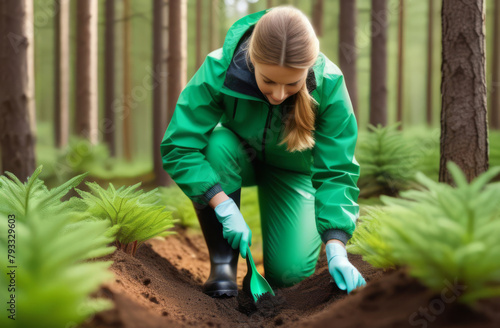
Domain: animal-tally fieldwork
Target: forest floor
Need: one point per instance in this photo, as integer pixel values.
(161, 287)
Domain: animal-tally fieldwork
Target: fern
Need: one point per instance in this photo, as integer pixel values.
(387, 161)
(17, 196)
(81, 155)
(54, 276)
(443, 234)
(134, 215)
(426, 148)
(366, 240)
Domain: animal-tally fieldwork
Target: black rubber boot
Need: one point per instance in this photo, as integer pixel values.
(223, 258)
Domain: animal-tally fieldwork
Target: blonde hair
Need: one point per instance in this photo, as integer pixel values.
(285, 37)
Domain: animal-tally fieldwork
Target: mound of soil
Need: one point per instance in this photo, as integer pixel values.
(161, 287)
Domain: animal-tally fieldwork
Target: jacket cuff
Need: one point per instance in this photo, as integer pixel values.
(211, 192)
(335, 234)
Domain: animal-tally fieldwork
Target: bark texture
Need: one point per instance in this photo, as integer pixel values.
(61, 67)
(378, 75)
(464, 133)
(16, 138)
(348, 53)
(86, 70)
(159, 82)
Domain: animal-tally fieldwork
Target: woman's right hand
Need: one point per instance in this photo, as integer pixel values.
(235, 229)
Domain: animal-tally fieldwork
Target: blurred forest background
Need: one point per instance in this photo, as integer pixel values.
(228, 11)
(126, 57)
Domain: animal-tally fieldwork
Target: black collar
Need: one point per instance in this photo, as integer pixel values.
(241, 78)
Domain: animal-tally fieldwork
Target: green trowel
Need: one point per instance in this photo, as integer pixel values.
(258, 285)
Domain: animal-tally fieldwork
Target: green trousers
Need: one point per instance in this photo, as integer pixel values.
(291, 243)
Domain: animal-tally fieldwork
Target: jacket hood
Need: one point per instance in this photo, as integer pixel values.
(240, 76)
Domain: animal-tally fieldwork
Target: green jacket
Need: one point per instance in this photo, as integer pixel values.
(223, 91)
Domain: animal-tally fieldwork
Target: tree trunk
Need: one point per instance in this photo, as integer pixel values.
(16, 138)
(317, 17)
(31, 66)
(464, 133)
(269, 3)
(159, 88)
(109, 78)
(177, 55)
(378, 67)
(86, 70)
(61, 68)
(214, 24)
(495, 88)
(348, 52)
(127, 84)
(199, 31)
(430, 50)
(400, 64)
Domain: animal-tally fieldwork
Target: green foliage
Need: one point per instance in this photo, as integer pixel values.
(53, 276)
(81, 155)
(251, 212)
(180, 205)
(367, 241)
(54, 256)
(133, 214)
(16, 195)
(443, 234)
(387, 161)
(494, 139)
(426, 146)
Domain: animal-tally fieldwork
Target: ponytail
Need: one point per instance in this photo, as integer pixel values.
(285, 37)
(299, 125)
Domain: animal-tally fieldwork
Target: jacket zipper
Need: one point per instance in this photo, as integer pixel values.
(268, 123)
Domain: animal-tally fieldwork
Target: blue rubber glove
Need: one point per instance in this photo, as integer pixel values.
(235, 229)
(343, 272)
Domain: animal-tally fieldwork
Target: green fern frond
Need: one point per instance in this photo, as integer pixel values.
(131, 212)
(442, 233)
(17, 196)
(54, 274)
(387, 160)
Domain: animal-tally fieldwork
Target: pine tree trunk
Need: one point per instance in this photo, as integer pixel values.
(109, 78)
(31, 65)
(495, 88)
(464, 133)
(348, 52)
(378, 66)
(127, 83)
(400, 64)
(177, 54)
(214, 24)
(317, 17)
(86, 70)
(430, 50)
(61, 68)
(199, 31)
(16, 138)
(159, 88)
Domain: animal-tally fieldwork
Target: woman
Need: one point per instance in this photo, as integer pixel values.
(269, 109)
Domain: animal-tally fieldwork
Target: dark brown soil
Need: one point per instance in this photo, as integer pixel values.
(161, 287)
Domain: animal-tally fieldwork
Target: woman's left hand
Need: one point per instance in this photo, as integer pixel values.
(345, 275)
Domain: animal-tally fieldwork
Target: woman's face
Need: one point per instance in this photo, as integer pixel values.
(277, 82)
